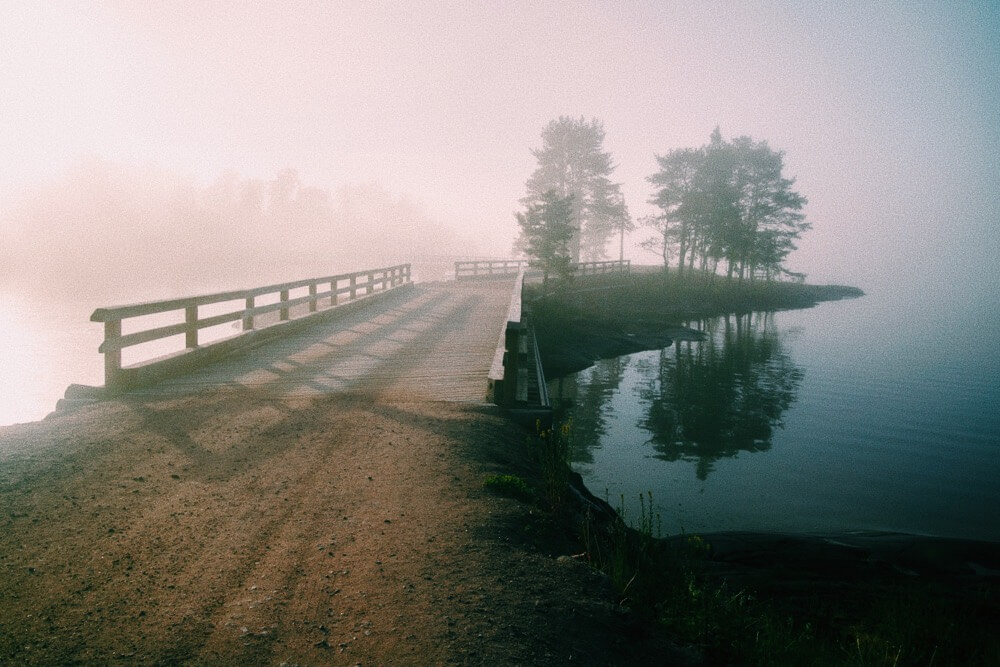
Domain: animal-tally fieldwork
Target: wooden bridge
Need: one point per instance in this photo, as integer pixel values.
(372, 331)
(301, 480)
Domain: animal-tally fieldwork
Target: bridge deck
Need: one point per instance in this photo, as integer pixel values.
(432, 342)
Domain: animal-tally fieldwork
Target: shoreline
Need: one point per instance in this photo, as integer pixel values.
(647, 312)
(839, 582)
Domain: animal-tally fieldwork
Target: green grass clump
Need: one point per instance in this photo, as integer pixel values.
(552, 451)
(510, 486)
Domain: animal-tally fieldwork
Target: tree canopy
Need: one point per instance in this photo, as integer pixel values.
(572, 161)
(546, 229)
(726, 202)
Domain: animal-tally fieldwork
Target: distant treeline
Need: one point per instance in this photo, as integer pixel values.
(112, 232)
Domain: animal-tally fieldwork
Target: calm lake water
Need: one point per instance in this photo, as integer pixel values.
(853, 415)
(44, 347)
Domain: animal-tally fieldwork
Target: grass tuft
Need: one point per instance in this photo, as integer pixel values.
(552, 450)
(510, 486)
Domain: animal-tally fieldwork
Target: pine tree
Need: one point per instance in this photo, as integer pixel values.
(572, 161)
(546, 229)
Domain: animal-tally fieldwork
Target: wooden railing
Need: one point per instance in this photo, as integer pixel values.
(490, 267)
(322, 294)
(506, 368)
(511, 267)
(516, 355)
(597, 268)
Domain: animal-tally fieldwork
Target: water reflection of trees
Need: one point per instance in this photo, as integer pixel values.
(711, 400)
(586, 396)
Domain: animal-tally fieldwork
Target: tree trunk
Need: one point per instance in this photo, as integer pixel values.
(682, 251)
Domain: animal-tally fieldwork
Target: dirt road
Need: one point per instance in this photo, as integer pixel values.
(225, 528)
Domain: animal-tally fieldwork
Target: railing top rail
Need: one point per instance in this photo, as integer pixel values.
(491, 261)
(152, 307)
(514, 310)
(473, 265)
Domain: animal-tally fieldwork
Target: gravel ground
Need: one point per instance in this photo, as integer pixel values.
(227, 527)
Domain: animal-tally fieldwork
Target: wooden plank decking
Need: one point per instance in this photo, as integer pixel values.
(431, 342)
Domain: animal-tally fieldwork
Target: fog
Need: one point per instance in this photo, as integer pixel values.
(176, 145)
(104, 231)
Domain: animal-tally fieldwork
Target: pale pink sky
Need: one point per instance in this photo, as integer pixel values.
(889, 113)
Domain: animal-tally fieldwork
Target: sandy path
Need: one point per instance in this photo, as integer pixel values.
(232, 528)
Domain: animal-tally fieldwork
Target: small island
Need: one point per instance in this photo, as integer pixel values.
(650, 309)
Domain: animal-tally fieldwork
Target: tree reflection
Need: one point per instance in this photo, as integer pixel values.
(714, 399)
(585, 395)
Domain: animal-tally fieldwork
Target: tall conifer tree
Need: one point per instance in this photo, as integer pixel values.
(572, 161)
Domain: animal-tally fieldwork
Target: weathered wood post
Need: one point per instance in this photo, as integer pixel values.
(510, 363)
(333, 293)
(248, 314)
(354, 287)
(522, 366)
(283, 313)
(515, 364)
(112, 357)
(312, 298)
(371, 283)
(191, 333)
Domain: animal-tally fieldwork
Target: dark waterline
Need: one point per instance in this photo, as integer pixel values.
(827, 419)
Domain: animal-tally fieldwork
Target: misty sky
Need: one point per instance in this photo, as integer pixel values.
(888, 112)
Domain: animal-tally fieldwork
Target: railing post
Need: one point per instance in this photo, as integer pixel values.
(283, 313)
(354, 286)
(191, 320)
(112, 358)
(333, 292)
(248, 314)
(522, 367)
(312, 298)
(511, 359)
(371, 283)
